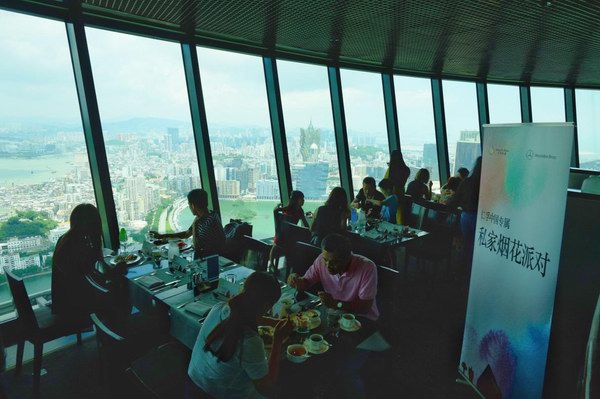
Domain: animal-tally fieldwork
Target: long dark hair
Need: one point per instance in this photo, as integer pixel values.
(337, 199)
(399, 171)
(260, 289)
(86, 225)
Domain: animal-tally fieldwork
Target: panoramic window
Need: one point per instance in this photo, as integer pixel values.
(240, 136)
(547, 104)
(365, 124)
(504, 103)
(309, 131)
(588, 128)
(417, 126)
(44, 170)
(142, 97)
(462, 124)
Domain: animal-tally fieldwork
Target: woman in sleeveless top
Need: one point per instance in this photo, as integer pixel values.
(331, 217)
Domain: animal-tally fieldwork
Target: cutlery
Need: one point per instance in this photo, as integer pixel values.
(186, 303)
(174, 282)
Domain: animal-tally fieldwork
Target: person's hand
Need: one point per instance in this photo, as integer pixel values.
(155, 234)
(121, 268)
(327, 299)
(283, 328)
(293, 280)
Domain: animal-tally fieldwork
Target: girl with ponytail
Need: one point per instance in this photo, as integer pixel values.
(228, 359)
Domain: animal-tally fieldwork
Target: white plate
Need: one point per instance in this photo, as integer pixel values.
(114, 260)
(354, 328)
(324, 348)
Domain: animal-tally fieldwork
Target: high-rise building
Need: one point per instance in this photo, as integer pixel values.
(228, 188)
(430, 161)
(311, 179)
(267, 190)
(468, 148)
(172, 138)
(310, 143)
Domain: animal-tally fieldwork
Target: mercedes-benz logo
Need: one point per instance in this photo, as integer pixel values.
(529, 155)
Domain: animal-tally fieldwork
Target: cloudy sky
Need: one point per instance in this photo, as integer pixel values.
(141, 77)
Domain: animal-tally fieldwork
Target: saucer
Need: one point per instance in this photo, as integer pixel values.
(355, 327)
(324, 348)
(314, 323)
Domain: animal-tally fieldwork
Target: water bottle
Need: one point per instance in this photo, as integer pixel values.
(123, 238)
(361, 222)
(353, 216)
(173, 250)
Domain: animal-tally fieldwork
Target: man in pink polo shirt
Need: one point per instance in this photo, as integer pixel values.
(349, 280)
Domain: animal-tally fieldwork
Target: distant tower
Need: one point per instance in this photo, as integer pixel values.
(309, 138)
(172, 138)
(430, 160)
(468, 148)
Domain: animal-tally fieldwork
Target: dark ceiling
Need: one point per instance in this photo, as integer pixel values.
(524, 41)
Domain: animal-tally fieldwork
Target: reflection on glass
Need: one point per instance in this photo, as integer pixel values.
(462, 124)
(309, 130)
(416, 124)
(44, 169)
(588, 128)
(240, 137)
(547, 104)
(504, 103)
(140, 85)
(365, 123)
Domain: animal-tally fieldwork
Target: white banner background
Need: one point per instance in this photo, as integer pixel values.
(515, 262)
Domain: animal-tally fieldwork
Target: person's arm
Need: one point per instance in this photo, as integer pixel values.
(303, 219)
(428, 192)
(182, 234)
(358, 306)
(375, 202)
(282, 331)
(313, 225)
(310, 278)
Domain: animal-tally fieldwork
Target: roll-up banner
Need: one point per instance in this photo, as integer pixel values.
(518, 238)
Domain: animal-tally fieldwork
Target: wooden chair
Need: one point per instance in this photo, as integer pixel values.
(38, 327)
(255, 253)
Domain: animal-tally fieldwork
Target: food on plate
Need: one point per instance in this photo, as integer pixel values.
(266, 331)
(181, 244)
(125, 258)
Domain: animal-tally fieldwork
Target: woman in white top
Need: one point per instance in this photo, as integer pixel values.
(229, 359)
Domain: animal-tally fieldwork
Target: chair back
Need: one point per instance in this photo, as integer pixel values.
(388, 287)
(21, 300)
(302, 256)
(295, 233)
(367, 248)
(442, 223)
(161, 373)
(114, 355)
(415, 217)
(255, 253)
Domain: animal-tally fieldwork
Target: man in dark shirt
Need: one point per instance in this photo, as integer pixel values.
(206, 229)
(368, 191)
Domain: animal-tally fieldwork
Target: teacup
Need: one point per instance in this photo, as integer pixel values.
(347, 320)
(315, 342)
(297, 353)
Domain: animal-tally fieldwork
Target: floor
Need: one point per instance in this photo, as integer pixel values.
(426, 341)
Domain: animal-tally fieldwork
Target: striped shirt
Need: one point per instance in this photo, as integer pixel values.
(209, 237)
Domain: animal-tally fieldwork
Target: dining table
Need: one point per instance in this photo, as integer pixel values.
(167, 289)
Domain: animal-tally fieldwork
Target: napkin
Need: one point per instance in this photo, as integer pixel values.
(150, 282)
(375, 343)
(198, 308)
